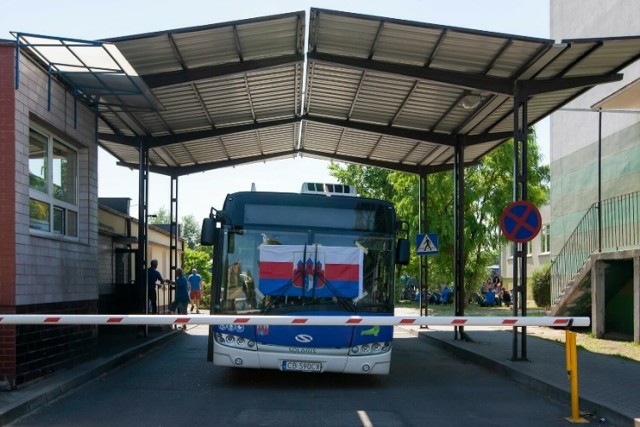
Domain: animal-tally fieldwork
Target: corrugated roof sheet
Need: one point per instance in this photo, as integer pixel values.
(371, 90)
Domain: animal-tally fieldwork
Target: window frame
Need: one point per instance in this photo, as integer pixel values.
(545, 239)
(67, 224)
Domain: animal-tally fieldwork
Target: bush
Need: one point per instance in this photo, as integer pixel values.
(541, 279)
(205, 299)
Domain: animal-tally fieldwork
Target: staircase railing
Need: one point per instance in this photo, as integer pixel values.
(619, 229)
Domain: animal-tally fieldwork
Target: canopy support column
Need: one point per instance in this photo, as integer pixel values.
(423, 260)
(458, 230)
(174, 232)
(141, 253)
(520, 182)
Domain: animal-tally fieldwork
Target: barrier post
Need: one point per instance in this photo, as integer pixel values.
(572, 371)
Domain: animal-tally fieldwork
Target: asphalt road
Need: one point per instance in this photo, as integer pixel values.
(175, 386)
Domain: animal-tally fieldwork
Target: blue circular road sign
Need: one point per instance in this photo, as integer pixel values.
(520, 221)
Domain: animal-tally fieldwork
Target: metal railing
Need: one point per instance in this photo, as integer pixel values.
(619, 230)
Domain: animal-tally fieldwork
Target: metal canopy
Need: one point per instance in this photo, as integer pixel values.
(97, 72)
(625, 98)
(368, 90)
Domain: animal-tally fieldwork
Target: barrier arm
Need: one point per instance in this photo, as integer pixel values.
(163, 319)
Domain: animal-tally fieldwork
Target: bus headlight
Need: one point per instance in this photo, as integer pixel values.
(372, 348)
(229, 340)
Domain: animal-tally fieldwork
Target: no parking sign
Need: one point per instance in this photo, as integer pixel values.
(520, 221)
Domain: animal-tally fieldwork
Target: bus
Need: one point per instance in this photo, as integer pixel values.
(303, 255)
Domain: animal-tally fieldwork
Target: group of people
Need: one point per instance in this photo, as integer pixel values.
(444, 296)
(492, 293)
(412, 292)
(188, 289)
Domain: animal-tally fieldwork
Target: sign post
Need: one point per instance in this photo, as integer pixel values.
(520, 222)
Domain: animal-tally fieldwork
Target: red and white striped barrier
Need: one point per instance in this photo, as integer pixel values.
(144, 319)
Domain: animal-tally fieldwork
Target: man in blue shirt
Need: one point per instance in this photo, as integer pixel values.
(195, 280)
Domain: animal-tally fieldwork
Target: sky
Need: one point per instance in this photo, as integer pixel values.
(197, 193)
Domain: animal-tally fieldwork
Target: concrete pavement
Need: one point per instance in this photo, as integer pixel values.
(608, 385)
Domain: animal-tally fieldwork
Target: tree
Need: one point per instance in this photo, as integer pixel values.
(189, 228)
(160, 217)
(190, 231)
(488, 189)
(200, 259)
(369, 181)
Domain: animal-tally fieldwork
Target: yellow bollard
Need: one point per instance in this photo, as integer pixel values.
(571, 353)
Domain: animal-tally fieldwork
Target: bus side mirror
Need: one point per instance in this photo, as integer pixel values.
(402, 252)
(210, 233)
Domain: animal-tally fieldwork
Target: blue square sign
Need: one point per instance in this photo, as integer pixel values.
(427, 244)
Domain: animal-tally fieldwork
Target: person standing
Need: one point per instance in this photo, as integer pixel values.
(195, 282)
(154, 276)
(182, 294)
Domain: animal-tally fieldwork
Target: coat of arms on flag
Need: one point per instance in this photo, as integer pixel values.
(311, 271)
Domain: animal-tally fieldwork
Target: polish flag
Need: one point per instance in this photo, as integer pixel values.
(320, 271)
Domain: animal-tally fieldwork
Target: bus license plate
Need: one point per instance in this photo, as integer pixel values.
(292, 365)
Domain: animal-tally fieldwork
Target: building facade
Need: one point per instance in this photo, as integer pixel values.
(575, 129)
(118, 244)
(595, 180)
(60, 253)
(50, 218)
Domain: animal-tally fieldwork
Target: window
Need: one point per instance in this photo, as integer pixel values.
(545, 239)
(529, 248)
(53, 185)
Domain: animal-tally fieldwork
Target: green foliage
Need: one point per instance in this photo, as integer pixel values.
(205, 298)
(160, 217)
(189, 228)
(488, 188)
(199, 259)
(190, 231)
(541, 281)
(369, 181)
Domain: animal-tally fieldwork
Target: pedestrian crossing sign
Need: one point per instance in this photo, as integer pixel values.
(426, 244)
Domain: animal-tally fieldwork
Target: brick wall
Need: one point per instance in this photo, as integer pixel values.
(7, 176)
(43, 350)
(7, 210)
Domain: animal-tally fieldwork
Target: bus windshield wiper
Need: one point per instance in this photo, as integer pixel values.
(346, 303)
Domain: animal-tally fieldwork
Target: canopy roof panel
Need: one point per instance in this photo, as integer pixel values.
(370, 90)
